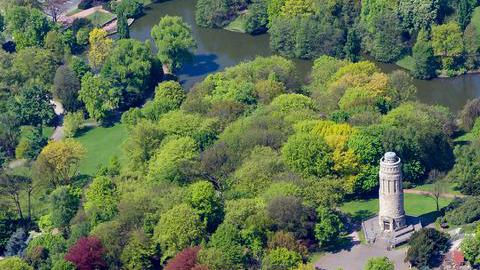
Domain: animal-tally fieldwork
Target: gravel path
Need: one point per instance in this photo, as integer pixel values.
(355, 257)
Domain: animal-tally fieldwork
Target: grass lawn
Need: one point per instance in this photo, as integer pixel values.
(73, 11)
(415, 205)
(450, 188)
(101, 143)
(238, 25)
(99, 18)
(406, 62)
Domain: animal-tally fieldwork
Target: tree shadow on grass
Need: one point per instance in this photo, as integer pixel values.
(361, 215)
(83, 130)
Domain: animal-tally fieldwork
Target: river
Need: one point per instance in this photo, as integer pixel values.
(218, 48)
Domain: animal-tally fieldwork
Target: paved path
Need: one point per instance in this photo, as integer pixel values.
(357, 256)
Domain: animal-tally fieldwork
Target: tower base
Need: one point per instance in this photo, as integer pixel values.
(391, 224)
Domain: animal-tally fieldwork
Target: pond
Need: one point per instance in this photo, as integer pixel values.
(218, 48)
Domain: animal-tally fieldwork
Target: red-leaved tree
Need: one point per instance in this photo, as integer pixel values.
(184, 260)
(87, 254)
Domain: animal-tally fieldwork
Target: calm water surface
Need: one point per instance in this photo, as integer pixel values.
(218, 48)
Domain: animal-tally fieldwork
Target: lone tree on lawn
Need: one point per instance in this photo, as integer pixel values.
(439, 186)
(174, 41)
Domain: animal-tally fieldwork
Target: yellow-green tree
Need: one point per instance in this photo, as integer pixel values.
(293, 8)
(58, 161)
(100, 46)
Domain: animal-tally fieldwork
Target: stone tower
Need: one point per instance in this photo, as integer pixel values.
(392, 214)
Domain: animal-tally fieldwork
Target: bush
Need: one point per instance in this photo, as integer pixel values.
(22, 148)
(14, 263)
(281, 258)
(82, 36)
(16, 244)
(467, 212)
(72, 123)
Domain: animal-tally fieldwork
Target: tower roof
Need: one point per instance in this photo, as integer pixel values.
(390, 157)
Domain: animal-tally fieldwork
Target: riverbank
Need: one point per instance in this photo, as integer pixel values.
(219, 48)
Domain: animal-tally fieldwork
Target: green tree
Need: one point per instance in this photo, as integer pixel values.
(128, 69)
(418, 14)
(177, 229)
(466, 171)
(207, 202)
(101, 199)
(383, 30)
(227, 239)
(471, 40)
(422, 52)
(33, 106)
(308, 155)
(257, 170)
(425, 246)
(169, 96)
(34, 67)
(212, 13)
(72, 122)
(64, 202)
(379, 263)
(78, 66)
(66, 87)
(447, 42)
(130, 8)
(56, 43)
(329, 226)
(99, 96)
(174, 41)
(137, 253)
(27, 25)
(257, 18)
(122, 26)
(281, 258)
(143, 140)
(352, 46)
(169, 161)
(464, 12)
